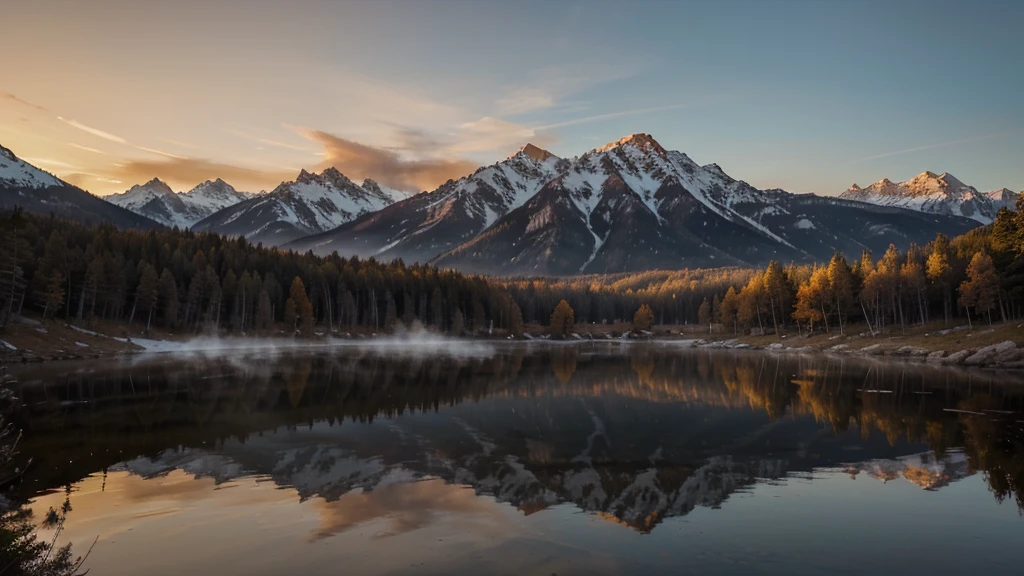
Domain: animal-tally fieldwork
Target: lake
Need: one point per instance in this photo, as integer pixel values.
(525, 459)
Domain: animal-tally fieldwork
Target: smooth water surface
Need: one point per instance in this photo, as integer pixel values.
(527, 460)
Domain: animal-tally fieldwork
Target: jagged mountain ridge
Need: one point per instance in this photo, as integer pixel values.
(34, 190)
(156, 200)
(423, 226)
(310, 204)
(935, 194)
(632, 205)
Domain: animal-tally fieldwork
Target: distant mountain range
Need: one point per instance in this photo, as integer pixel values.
(936, 194)
(156, 200)
(627, 206)
(310, 204)
(34, 190)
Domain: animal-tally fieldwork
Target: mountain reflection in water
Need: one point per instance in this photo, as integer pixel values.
(634, 435)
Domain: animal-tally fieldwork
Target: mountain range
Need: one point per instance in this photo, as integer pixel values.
(425, 225)
(310, 204)
(627, 206)
(936, 194)
(34, 190)
(630, 205)
(156, 200)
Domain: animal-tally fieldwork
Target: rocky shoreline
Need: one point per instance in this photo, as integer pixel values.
(1005, 354)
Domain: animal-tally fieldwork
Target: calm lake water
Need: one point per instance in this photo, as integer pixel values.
(527, 460)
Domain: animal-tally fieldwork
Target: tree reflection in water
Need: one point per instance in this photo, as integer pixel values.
(637, 433)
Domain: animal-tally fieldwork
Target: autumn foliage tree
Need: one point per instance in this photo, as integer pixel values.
(980, 289)
(298, 308)
(563, 320)
(643, 318)
(704, 314)
(730, 305)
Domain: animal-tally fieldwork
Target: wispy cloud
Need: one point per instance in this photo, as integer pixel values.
(284, 145)
(610, 115)
(93, 131)
(182, 173)
(162, 153)
(932, 146)
(49, 162)
(86, 148)
(13, 98)
(180, 143)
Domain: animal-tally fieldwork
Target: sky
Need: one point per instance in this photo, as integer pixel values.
(808, 96)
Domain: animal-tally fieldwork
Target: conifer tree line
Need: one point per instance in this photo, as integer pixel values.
(190, 283)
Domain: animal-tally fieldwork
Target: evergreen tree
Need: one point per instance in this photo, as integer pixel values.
(515, 323)
(458, 323)
(147, 294)
(53, 296)
(169, 298)
(390, 312)
(264, 313)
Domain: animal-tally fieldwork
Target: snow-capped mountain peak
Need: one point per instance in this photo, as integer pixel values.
(156, 200)
(215, 195)
(931, 193)
(535, 152)
(641, 141)
(310, 204)
(15, 172)
(1004, 198)
(141, 194)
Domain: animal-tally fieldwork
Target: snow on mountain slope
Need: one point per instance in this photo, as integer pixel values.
(141, 194)
(156, 200)
(928, 192)
(420, 227)
(632, 205)
(614, 208)
(310, 204)
(1004, 198)
(211, 196)
(16, 172)
(36, 191)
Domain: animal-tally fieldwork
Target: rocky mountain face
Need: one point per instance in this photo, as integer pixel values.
(310, 204)
(157, 201)
(1004, 198)
(632, 205)
(935, 194)
(423, 226)
(34, 190)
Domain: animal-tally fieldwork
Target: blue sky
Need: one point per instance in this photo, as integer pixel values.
(808, 96)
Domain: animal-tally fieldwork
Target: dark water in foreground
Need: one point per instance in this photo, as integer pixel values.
(548, 460)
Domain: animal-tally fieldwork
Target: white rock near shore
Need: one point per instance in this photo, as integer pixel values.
(988, 353)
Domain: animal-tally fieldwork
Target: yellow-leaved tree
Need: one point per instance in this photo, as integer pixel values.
(563, 319)
(644, 318)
